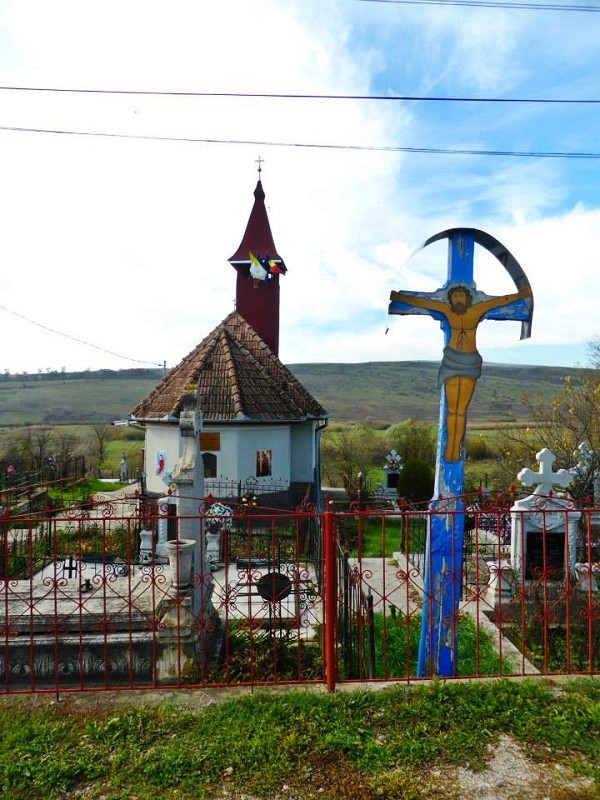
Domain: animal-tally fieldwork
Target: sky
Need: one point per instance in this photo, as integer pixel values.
(118, 211)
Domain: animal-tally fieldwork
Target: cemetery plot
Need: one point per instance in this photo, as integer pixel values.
(275, 597)
(114, 605)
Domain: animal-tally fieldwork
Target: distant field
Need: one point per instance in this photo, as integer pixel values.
(391, 391)
(371, 392)
(90, 399)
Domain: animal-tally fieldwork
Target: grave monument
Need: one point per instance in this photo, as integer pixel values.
(544, 525)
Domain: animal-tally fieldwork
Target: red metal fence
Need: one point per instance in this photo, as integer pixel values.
(121, 596)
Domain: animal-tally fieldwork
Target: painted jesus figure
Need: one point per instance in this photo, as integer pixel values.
(461, 362)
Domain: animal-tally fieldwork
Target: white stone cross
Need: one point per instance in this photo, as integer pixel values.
(544, 477)
(393, 460)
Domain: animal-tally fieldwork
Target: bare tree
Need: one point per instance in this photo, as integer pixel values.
(561, 424)
(348, 451)
(66, 447)
(35, 445)
(102, 432)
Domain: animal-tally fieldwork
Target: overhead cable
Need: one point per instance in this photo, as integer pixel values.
(294, 96)
(75, 338)
(320, 146)
(491, 4)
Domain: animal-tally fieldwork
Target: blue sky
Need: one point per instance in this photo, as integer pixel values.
(123, 242)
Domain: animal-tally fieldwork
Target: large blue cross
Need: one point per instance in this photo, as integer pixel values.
(459, 308)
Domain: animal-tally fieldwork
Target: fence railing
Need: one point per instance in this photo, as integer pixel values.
(105, 599)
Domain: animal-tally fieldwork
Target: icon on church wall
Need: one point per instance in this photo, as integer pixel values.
(161, 462)
(263, 463)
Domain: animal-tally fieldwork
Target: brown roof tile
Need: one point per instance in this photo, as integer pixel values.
(239, 378)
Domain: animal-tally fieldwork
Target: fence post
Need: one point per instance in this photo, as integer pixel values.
(330, 597)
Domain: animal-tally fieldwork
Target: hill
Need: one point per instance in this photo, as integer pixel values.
(368, 392)
(390, 391)
(74, 397)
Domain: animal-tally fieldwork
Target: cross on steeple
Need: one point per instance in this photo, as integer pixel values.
(544, 477)
(259, 161)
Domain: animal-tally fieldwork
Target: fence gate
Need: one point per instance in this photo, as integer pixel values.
(265, 599)
(379, 568)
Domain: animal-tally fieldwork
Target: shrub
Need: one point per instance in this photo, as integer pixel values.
(478, 449)
(415, 482)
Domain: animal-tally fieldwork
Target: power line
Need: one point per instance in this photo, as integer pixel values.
(491, 4)
(352, 147)
(291, 96)
(75, 338)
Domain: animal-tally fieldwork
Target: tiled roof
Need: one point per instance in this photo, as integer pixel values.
(239, 378)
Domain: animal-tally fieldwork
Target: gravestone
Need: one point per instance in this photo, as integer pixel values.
(219, 518)
(544, 525)
(187, 480)
(392, 469)
(124, 469)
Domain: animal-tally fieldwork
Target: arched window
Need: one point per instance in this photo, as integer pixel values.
(210, 465)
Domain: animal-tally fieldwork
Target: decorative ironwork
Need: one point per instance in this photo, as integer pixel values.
(80, 609)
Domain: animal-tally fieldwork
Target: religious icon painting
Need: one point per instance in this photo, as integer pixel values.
(161, 462)
(263, 463)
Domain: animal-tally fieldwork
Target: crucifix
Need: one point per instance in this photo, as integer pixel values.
(70, 567)
(459, 307)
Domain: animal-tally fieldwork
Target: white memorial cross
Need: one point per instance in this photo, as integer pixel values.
(544, 477)
(587, 458)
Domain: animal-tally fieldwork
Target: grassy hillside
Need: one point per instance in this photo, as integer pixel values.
(370, 392)
(93, 397)
(389, 391)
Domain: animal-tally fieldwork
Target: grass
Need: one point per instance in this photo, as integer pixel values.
(375, 536)
(401, 634)
(395, 743)
(92, 398)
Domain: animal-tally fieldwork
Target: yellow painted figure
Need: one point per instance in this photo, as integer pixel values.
(461, 363)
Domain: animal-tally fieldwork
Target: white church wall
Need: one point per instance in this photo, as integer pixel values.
(161, 453)
(290, 450)
(302, 466)
(227, 454)
(271, 439)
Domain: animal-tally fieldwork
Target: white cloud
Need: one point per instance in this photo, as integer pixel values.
(124, 243)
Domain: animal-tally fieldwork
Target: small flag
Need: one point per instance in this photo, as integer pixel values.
(277, 267)
(257, 270)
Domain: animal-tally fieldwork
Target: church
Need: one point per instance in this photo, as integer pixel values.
(259, 434)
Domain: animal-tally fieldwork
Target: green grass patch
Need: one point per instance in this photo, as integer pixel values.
(386, 744)
(392, 647)
(376, 537)
(476, 653)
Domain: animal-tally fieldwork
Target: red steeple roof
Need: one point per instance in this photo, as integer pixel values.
(258, 238)
(258, 266)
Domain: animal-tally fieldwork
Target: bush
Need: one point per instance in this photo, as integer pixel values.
(415, 482)
(478, 449)
(412, 440)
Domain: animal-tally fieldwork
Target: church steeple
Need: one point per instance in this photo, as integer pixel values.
(258, 267)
